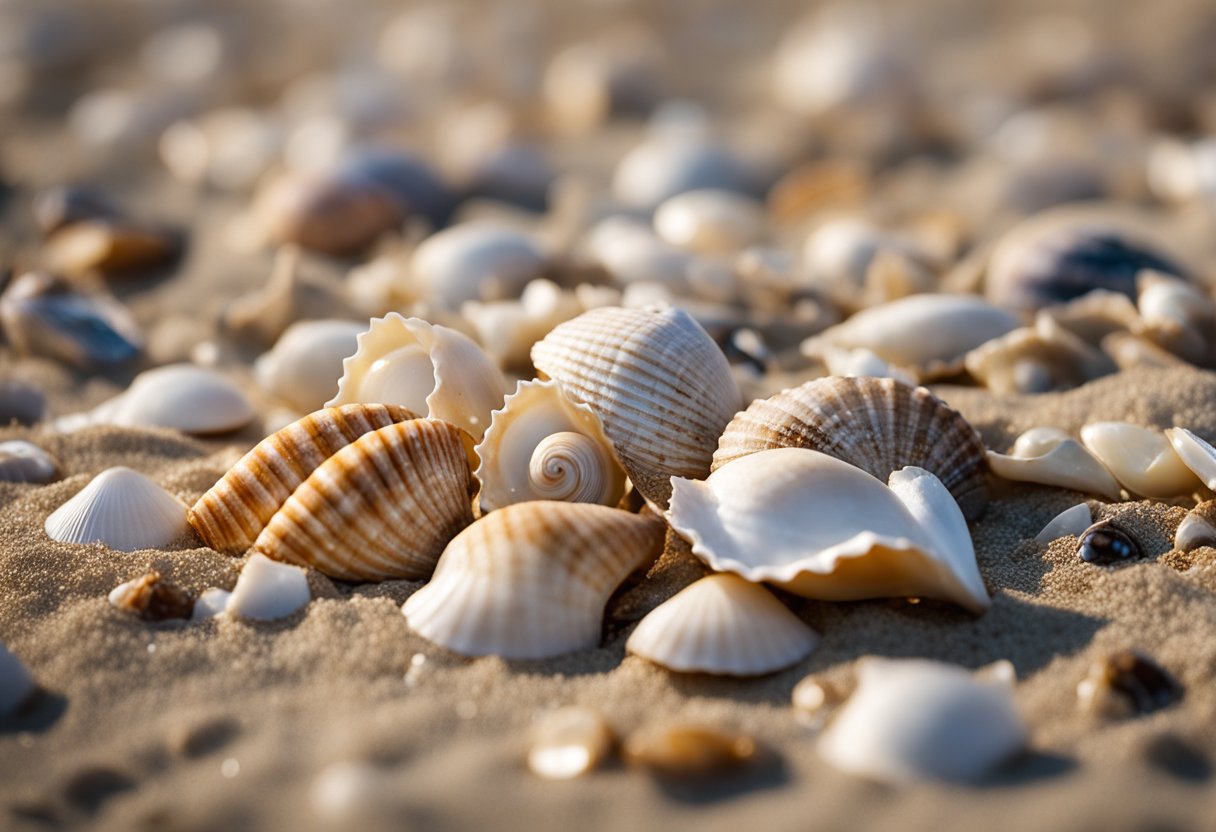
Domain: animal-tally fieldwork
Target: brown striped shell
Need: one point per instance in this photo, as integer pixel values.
(878, 424)
(384, 506)
(231, 515)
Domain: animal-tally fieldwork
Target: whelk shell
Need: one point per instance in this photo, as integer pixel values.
(16, 684)
(531, 580)
(305, 363)
(1142, 459)
(22, 461)
(122, 509)
(1049, 456)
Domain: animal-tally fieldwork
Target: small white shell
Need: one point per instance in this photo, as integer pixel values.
(1140, 458)
(267, 590)
(507, 329)
(305, 364)
(475, 261)
(711, 221)
(211, 603)
(722, 624)
(913, 720)
(122, 509)
(22, 461)
(1195, 453)
(569, 742)
(1037, 359)
(1049, 456)
(16, 684)
(1071, 521)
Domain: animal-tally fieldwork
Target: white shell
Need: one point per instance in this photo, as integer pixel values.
(427, 368)
(122, 509)
(1140, 458)
(913, 720)
(1037, 359)
(1197, 528)
(631, 252)
(673, 161)
(824, 529)
(859, 264)
(16, 684)
(507, 329)
(722, 624)
(305, 364)
(1196, 453)
(267, 590)
(1049, 456)
(711, 221)
(210, 603)
(22, 461)
(569, 742)
(475, 261)
(1071, 521)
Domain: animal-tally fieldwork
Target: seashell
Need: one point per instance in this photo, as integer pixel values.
(813, 699)
(1181, 171)
(64, 205)
(914, 720)
(152, 598)
(1173, 309)
(861, 265)
(425, 367)
(632, 253)
(210, 604)
(822, 528)
(382, 507)
(531, 580)
(1128, 350)
(722, 624)
(1095, 315)
(267, 590)
(1072, 522)
(231, 515)
(20, 402)
(43, 315)
(478, 261)
(587, 83)
(1198, 528)
(658, 382)
(1127, 683)
(16, 684)
(569, 742)
(332, 215)
(122, 509)
(22, 461)
(108, 246)
(1195, 453)
(878, 425)
(862, 362)
(688, 750)
(305, 364)
(1142, 459)
(1049, 456)
(711, 221)
(1037, 359)
(543, 446)
(507, 329)
(414, 184)
(1104, 544)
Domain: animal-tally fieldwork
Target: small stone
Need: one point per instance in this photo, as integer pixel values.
(267, 590)
(1104, 544)
(152, 598)
(686, 750)
(569, 742)
(22, 461)
(1127, 683)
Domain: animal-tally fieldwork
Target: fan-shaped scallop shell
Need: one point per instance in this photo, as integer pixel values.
(658, 382)
(231, 515)
(531, 580)
(382, 507)
(122, 509)
(878, 424)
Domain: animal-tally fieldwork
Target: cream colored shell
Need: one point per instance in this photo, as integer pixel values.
(1037, 359)
(710, 221)
(1049, 456)
(1142, 459)
(303, 367)
(477, 261)
(122, 509)
(1196, 453)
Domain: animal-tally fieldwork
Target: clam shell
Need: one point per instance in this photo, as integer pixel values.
(1071, 521)
(22, 461)
(1049, 456)
(16, 684)
(267, 590)
(879, 425)
(477, 261)
(531, 580)
(1037, 359)
(658, 382)
(543, 446)
(722, 624)
(305, 364)
(382, 507)
(231, 515)
(428, 368)
(822, 528)
(1141, 459)
(122, 509)
(1195, 452)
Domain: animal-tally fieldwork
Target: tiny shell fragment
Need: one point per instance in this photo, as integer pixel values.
(152, 598)
(687, 750)
(569, 742)
(267, 590)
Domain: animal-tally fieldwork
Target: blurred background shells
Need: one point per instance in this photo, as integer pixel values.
(475, 262)
(303, 367)
(22, 461)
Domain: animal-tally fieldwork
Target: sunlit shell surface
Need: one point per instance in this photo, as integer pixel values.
(267, 590)
(22, 461)
(569, 742)
(531, 580)
(305, 364)
(1142, 459)
(543, 446)
(710, 221)
(428, 368)
(725, 625)
(824, 529)
(1071, 521)
(1195, 452)
(384, 506)
(1198, 528)
(16, 684)
(122, 509)
(658, 382)
(476, 261)
(1037, 359)
(1049, 456)
(914, 720)
(879, 425)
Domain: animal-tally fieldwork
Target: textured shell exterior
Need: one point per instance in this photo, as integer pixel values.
(531, 580)
(122, 509)
(1195, 452)
(22, 461)
(384, 506)
(305, 364)
(1049, 456)
(543, 446)
(658, 382)
(1141, 459)
(231, 515)
(915, 720)
(476, 261)
(879, 425)
(426, 367)
(725, 625)
(825, 529)
(1037, 359)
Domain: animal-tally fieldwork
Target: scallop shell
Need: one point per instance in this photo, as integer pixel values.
(1037, 359)
(913, 720)
(476, 261)
(531, 580)
(658, 382)
(122, 509)
(1142, 459)
(382, 507)
(723, 624)
(22, 461)
(1049, 456)
(428, 368)
(824, 529)
(542, 446)
(231, 515)
(1195, 452)
(305, 364)
(267, 590)
(16, 684)
(879, 425)
(1069, 522)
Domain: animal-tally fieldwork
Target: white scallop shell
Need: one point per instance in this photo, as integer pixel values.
(1142, 459)
(16, 684)
(1049, 456)
(427, 368)
(1037, 359)
(824, 529)
(1195, 452)
(1071, 521)
(267, 590)
(475, 261)
(722, 624)
(122, 509)
(913, 720)
(305, 364)
(711, 221)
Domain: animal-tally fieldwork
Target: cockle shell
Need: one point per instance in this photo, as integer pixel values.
(1140, 458)
(1049, 456)
(1037, 359)
(879, 425)
(543, 446)
(658, 382)
(710, 221)
(305, 364)
(426, 367)
(16, 684)
(22, 461)
(122, 509)
(824, 529)
(231, 515)
(382, 507)
(531, 580)
(1195, 453)
(476, 261)
(722, 624)
(913, 720)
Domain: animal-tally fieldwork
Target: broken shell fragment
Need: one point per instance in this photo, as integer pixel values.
(687, 750)
(1127, 683)
(1037, 359)
(122, 509)
(267, 590)
(1104, 544)
(1198, 528)
(305, 363)
(1049, 456)
(1142, 459)
(16, 684)
(1196, 453)
(152, 598)
(22, 461)
(1073, 522)
(569, 742)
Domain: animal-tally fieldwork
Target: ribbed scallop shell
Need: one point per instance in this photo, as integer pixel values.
(722, 624)
(382, 507)
(531, 580)
(122, 509)
(658, 382)
(878, 424)
(231, 515)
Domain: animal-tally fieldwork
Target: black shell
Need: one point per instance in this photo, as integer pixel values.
(1104, 543)
(1145, 685)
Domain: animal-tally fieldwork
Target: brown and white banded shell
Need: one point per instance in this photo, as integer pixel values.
(878, 424)
(231, 515)
(384, 506)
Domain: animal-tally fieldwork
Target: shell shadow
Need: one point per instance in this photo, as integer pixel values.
(36, 716)
(767, 771)
(1028, 768)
